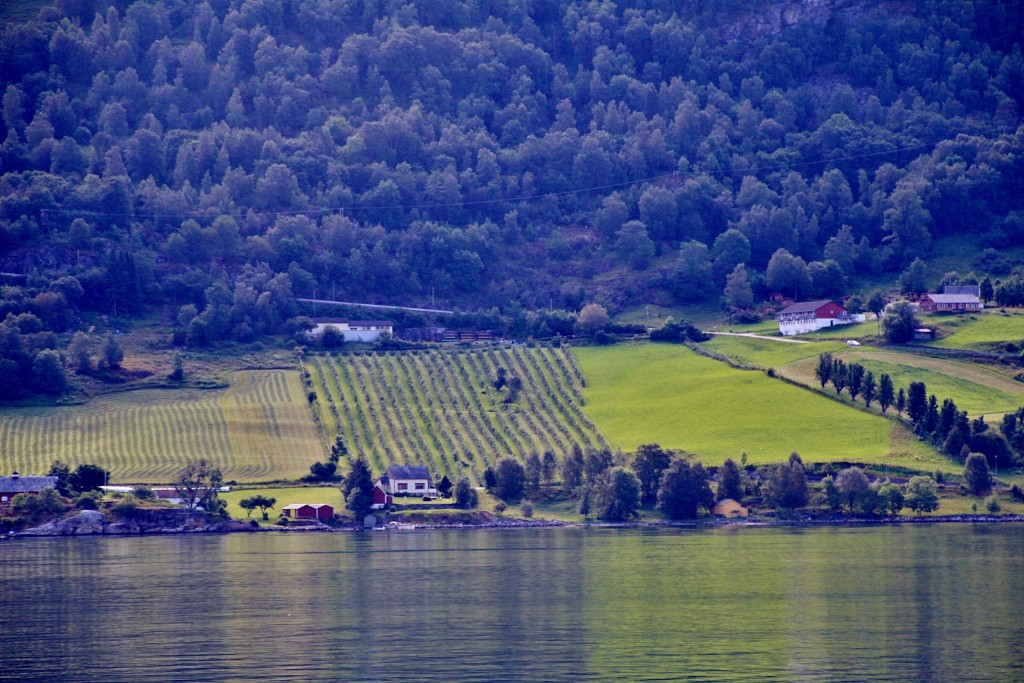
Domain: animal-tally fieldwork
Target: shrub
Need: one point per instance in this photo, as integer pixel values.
(527, 510)
(992, 504)
(87, 501)
(500, 508)
(126, 509)
(144, 493)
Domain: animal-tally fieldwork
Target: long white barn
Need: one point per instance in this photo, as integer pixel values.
(352, 330)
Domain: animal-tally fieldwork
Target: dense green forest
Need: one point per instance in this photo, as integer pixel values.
(219, 158)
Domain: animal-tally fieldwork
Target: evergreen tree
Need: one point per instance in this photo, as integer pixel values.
(357, 489)
(917, 402)
(730, 481)
(885, 392)
(824, 370)
(856, 379)
(839, 375)
(868, 389)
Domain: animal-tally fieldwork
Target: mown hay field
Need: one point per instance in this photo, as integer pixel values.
(258, 429)
(979, 330)
(768, 353)
(439, 408)
(978, 389)
(666, 394)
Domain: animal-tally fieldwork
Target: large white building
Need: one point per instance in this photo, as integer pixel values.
(352, 330)
(811, 316)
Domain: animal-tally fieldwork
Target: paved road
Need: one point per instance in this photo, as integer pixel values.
(762, 336)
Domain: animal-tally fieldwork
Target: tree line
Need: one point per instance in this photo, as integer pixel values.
(945, 426)
(156, 150)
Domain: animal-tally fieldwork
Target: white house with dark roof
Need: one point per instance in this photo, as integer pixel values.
(15, 484)
(811, 316)
(352, 330)
(408, 480)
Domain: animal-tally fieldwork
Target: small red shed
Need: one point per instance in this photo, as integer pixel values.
(381, 498)
(308, 511)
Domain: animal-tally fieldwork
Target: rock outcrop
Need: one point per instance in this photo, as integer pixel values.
(169, 521)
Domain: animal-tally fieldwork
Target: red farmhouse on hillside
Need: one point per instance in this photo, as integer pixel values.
(810, 316)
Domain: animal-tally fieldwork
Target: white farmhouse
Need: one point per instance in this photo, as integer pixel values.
(352, 330)
(810, 316)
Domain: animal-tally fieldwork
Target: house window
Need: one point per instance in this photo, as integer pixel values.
(403, 487)
(3, 499)
(420, 486)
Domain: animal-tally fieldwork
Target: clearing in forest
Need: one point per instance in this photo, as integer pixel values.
(258, 429)
(666, 394)
(439, 407)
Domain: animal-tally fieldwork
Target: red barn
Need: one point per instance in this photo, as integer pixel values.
(308, 511)
(810, 316)
(381, 498)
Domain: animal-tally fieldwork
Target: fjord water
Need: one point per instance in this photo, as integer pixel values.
(914, 602)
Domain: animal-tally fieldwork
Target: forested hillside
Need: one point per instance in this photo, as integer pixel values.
(227, 155)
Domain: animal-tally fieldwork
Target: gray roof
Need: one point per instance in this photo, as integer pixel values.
(346, 321)
(954, 298)
(806, 306)
(409, 472)
(26, 484)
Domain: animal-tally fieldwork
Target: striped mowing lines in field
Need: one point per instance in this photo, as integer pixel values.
(439, 407)
(259, 428)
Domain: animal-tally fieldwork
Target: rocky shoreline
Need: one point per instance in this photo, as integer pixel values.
(96, 523)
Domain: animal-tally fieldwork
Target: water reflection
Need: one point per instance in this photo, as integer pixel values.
(937, 603)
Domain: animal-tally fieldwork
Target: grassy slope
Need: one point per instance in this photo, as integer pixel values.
(979, 331)
(654, 393)
(767, 353)
(978, 389)
(259, 429)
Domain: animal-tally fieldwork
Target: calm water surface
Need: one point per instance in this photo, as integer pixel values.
(924, 603)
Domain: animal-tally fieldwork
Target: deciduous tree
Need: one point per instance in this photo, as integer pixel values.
(921, 495)
(198, 486)
(618, 494)
(650, 461)
(683, 490)
(977, 477)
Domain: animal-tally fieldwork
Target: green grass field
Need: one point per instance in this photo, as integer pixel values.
(768, 353)
(258, 429)
(285, 496)
(652, 393)
(866, 330)
(438, 408)
(979, 331)
(978, 389)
